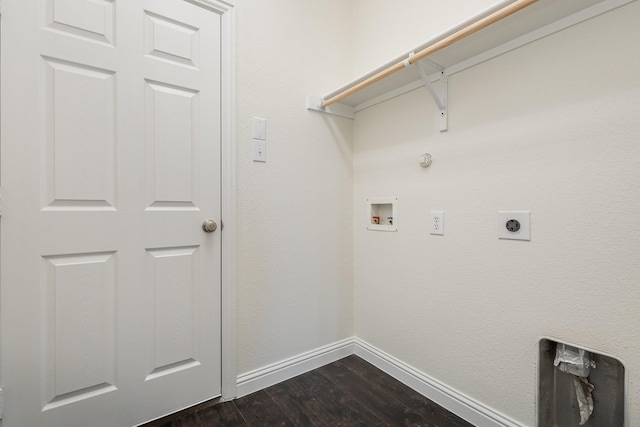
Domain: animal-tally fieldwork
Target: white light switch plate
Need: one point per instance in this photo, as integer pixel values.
(514, 225)
(260, 128)
(259, 150)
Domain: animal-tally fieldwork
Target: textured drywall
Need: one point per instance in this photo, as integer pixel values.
(294, 246)
(384, 29)
(552, 128)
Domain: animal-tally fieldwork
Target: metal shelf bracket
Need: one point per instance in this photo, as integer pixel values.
(439, 94)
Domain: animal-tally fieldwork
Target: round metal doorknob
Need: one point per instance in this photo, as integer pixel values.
(209, 226)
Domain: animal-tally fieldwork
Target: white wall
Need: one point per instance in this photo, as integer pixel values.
(552, 128)
(384, 29)
(295, 279)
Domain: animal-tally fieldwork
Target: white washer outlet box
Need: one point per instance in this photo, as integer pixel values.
(514, 225)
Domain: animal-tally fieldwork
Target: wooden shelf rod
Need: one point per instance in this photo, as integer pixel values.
(447, 41)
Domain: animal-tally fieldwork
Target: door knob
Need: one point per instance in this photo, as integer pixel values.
(209, 226)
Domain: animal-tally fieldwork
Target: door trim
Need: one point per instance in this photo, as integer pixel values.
(227, 12)
(228, 171)
(1, 389)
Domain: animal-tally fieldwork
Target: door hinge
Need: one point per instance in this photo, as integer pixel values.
(0, 208)
(1, 403)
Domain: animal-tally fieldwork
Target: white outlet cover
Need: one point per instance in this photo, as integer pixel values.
(436, 225)
(523, 219)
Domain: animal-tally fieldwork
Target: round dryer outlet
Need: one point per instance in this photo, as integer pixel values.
(513, 225)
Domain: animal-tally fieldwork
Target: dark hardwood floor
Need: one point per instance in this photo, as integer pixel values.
(349, 392)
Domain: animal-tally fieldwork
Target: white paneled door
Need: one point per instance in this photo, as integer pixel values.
(110, 286)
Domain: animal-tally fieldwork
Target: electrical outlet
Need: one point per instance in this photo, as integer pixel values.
(514, 225)
(437, 223)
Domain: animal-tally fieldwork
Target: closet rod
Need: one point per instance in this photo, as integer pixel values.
(470, 29)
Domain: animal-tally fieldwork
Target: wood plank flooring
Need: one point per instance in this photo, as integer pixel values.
(349, 392)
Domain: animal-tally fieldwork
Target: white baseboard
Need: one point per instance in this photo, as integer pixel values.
(463, 406)
(458, 403)
(267, 376)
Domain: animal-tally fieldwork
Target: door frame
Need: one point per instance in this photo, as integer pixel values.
(1, 383)
(228, 220)
(226, 10)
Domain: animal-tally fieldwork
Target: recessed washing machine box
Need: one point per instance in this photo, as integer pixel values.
(382, 214)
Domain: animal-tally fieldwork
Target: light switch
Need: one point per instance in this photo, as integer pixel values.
(260, 128)
(259, 150)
